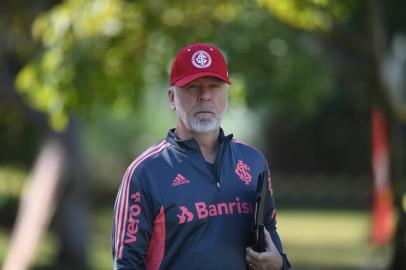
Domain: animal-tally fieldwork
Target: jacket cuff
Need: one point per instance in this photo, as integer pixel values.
(286, 264)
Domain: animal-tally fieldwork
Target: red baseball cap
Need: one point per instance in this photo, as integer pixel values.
(198, 60)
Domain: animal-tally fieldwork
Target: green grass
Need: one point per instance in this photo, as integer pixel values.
(100, 249)
(45, 253)
(329, 238)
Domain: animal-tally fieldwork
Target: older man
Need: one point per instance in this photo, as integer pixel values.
(188, 201)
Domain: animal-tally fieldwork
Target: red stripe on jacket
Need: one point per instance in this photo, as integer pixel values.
(156, 247)
(122, 205)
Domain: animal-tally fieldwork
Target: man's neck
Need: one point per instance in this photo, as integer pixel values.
(208, 142)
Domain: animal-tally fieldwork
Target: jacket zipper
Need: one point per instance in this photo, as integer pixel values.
(215, 176)
(218, 162)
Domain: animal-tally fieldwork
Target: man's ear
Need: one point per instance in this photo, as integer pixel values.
(171, 98)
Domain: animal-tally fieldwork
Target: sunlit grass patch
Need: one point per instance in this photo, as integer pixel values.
(328, 238)
(100, 246)
(46, 251)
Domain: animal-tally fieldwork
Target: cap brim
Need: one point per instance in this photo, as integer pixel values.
(189, 78)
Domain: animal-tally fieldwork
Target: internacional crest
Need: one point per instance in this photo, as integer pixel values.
(201, 59)
(243, 172)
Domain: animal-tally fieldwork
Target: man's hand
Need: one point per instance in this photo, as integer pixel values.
(268, 260)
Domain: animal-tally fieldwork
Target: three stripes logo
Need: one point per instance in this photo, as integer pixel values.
(180, 180)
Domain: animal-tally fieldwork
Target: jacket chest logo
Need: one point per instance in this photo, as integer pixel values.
(185, 216)
(203, 210)
(243, 172)
(180, 180)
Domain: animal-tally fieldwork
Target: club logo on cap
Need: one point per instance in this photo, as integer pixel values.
(201, 59)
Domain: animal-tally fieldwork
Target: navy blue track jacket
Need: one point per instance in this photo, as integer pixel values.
(175, 211)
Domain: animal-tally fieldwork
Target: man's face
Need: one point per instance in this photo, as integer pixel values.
(201, 104)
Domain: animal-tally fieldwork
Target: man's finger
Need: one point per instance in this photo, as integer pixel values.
(270, 246)
(253, 256)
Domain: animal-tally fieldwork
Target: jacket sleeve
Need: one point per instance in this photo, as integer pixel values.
(132, 224)
(270, 221)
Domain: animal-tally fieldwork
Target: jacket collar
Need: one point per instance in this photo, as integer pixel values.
(191, 144)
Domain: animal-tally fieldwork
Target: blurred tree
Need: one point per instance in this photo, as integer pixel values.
(366, 32)
(113, 54)
(103, 54)
(106, 53)
(17, 131)
(100, 54)
(22, 128)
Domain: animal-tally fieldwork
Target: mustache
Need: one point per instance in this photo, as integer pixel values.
(203, 107)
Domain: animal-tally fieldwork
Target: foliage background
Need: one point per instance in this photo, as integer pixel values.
(305, 75)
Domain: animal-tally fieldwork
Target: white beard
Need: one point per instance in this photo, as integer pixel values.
(203, 125)
(196, 124)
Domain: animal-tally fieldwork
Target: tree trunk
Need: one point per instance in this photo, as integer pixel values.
(381, 96)
(399, 175)
(70, 219)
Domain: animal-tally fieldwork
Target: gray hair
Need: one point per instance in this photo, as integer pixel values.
(172, 89)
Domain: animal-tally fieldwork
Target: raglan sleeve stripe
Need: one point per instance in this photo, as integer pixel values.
(270, 217)
(133, 217)
(117, 206)
(122, 198)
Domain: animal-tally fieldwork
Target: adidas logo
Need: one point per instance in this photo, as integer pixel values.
(180, 180)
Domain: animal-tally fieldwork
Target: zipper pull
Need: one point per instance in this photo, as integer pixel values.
(218, 185)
